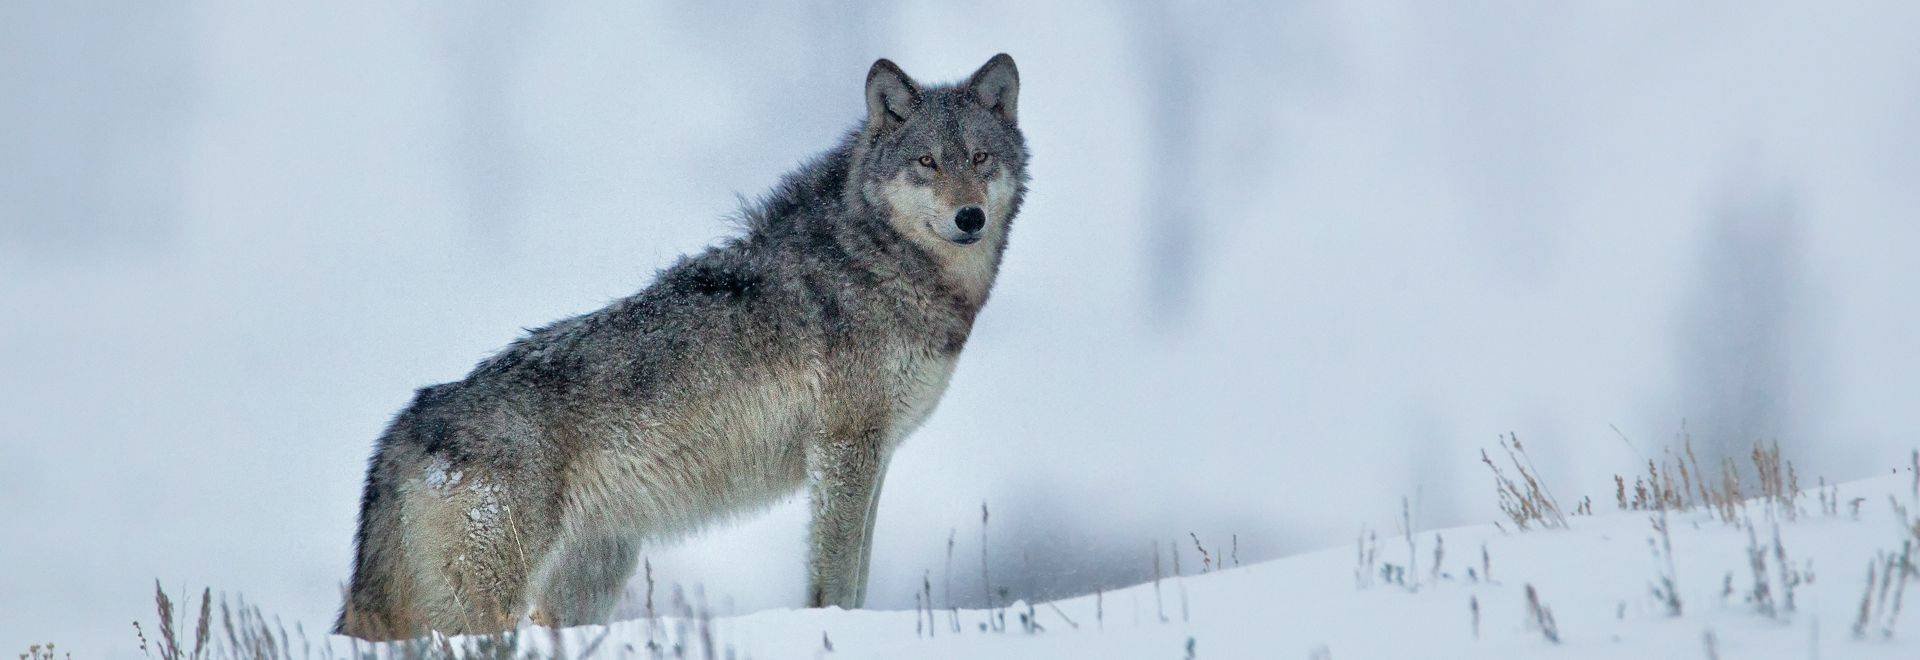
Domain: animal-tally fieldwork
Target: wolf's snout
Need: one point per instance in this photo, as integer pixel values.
(970, 219)
(967, 227)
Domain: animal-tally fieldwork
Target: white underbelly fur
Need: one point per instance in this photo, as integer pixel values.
(735, 455)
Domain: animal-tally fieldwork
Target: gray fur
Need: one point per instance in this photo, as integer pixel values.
(797, 355)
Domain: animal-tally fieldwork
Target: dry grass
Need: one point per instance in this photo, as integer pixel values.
(1660, 490)
(1878, 612)
(1206, 560)
(248, 635)
(1666, 588)
(1527, 502)
(1366, 553)
(235, 630)
(946, 589)
(1779, 483)
(1486, 565)
(1677, 483)
(1413, 552)
(1473, 608)
(996, 618)
(1540, 617)
(45, 651)
(1179, 585)
(1772, 594)
(1888, 574)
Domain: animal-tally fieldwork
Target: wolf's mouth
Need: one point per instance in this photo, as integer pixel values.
(965, 239)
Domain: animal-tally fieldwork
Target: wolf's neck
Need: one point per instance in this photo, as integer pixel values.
(972, 272)
(815, 189)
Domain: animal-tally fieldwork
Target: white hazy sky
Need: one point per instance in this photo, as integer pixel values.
(234, 237)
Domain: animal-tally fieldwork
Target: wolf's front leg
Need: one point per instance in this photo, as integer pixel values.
(844, 471)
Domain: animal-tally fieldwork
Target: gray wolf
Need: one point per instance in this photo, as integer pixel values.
(794, 356)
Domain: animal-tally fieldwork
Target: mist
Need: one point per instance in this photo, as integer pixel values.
(1281, 266)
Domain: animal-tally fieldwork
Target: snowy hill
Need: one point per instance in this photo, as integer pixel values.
(235, 237)
(1591, 590)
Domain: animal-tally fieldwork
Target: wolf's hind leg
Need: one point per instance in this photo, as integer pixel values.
(473, 549)
(586, 580)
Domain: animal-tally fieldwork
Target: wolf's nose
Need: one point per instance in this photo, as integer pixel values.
(970, 219)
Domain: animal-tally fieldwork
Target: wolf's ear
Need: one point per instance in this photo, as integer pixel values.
(891, 95)
(997, 84)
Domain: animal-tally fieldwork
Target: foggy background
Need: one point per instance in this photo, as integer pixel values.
(1282, 264)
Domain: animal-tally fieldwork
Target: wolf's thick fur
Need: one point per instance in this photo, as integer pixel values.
(796, 355)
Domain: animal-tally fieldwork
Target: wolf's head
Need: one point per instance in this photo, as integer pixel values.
(945, 164)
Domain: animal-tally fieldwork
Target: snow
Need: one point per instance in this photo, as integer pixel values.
(235, 238)
(1595, 577)
(440, 474)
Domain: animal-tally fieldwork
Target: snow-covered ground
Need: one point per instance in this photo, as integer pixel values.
(1598, 579)
(235, 237)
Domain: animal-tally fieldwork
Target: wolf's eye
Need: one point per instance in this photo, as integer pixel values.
(980, 157)
(927, 162)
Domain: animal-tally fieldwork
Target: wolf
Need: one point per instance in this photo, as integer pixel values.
(796, 355)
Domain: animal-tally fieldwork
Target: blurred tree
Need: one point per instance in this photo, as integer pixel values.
(1173, 89)
(1743, 355)
(482, 43)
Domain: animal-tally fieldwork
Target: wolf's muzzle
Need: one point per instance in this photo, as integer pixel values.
(969, 220)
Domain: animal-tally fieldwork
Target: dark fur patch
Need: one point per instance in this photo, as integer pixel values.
(430, 395)
(436, 437)
(956, 340)
(714, 279)
(828, 303)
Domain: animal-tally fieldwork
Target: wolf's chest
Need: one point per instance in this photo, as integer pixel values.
(915, 378)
